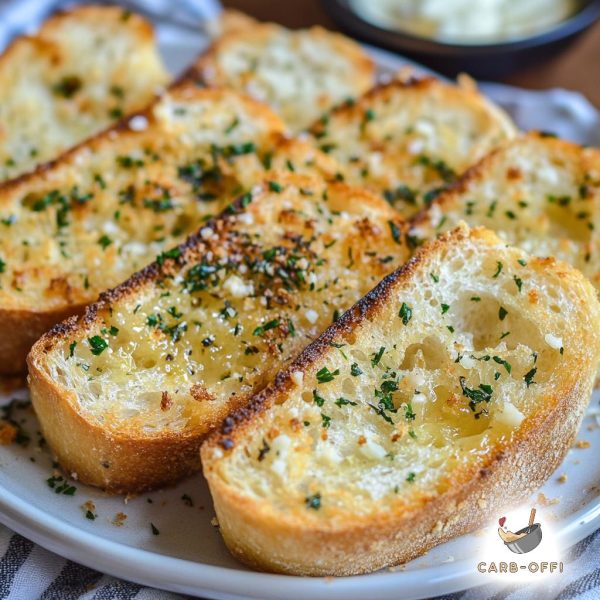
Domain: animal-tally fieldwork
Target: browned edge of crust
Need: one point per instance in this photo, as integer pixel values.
(411, 81)
(367, 307)
(512, 471)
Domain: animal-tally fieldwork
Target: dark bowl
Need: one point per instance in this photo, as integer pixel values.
(527, 543)
(486, 61)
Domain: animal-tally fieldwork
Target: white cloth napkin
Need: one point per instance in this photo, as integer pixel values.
(27, 571)
(568, 114)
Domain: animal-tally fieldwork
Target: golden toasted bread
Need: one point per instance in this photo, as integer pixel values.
(126, 393)
(83, 70)
(102, 211)
(300, 74)
(537, 192)
(442, 397)
(409, 138)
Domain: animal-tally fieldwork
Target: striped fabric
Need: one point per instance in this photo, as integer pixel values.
(29, 572)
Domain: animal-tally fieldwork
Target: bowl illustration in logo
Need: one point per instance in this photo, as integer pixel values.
(523, 541)
(527, 543)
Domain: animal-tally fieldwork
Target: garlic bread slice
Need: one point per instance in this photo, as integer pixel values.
(444, 396)
(537, 192)
(411, 137)
(88, 221)
(84, 69)
(300, 74)
(126, 393)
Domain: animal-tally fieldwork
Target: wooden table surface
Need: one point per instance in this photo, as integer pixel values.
(578, 68)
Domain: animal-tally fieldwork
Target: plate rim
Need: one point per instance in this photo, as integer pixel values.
(185, 576)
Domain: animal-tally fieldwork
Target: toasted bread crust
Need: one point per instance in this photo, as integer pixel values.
(269, 539)
(142, 459)
(116, 463)
(410, 137)
(539, 192)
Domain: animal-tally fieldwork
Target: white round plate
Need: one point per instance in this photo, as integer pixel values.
(168, 539)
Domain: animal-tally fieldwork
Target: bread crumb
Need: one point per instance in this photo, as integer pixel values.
(119, 519)
(545, 501)
(562, 478)
(582, 444)
(89, 510)
(214, 522)
(8, 433)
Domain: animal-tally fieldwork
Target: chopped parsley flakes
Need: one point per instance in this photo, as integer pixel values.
(97, 345)
(313, 501)
(405, 313)
(376, 356)
(104, 241)
(529, 376)
(476, 395)
(61, 486)
(355, 370)
(261, 329)
(325, 375)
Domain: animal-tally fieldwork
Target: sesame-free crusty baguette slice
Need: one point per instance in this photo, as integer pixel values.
(82, 70)
(444, 396)
(126, 393)
(537, 192)
(104, 210)
(300, 74)
(409, 138)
